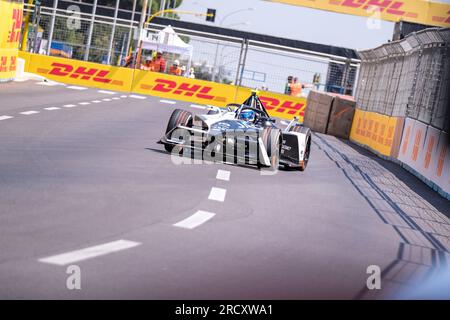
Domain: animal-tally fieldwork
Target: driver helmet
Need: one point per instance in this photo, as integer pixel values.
(247, 115)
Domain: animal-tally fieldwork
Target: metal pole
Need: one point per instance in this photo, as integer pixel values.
(111, 41)
(131, 27)
(150, 8)
(213, 78)
(162, 6)
(52, 26)
(36, 29)
(239, 62)
(91, 29)
(243, 62)
(137, 60)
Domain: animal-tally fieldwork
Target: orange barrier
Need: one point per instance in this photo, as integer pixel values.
(10, 26)
(379, 132)
(157, 84)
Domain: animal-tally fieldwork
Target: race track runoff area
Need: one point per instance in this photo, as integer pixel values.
(83, 182)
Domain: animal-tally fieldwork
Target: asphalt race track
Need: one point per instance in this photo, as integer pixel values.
(83, 182)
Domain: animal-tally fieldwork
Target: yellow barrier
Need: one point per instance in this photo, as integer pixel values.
(80, 72)
(157, 84)
(433, 13)
(10, 26)
(379, 132)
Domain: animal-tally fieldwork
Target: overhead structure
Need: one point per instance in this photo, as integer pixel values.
(427, 12)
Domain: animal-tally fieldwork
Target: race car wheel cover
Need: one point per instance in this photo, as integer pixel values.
(178, 117)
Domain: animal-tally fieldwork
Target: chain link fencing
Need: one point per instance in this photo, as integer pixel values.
(107, 39)
(408, 78)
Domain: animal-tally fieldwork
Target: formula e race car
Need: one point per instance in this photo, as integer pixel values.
(240, 133)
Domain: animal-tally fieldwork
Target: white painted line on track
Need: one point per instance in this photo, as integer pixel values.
(123, 96)
(106, 92)
(52, 108)
(116, 98)
(88, 253)
(96, 101)
(106, 99)
(223, 175)
(167, 101)
(27, 113)
(137, 97)
(198, 106)
(84, 103)
(48, 83)
(195, 220)
(76, 88)
(5, 117)
(69, 106)
(217, 194)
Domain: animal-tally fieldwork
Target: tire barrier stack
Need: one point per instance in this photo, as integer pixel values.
(404, 107)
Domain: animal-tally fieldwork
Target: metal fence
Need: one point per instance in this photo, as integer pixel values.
(408, 78)
(106, 39)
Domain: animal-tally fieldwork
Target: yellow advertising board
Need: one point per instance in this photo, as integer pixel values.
(10, 26)
(158, 84)
(418, 11)
(81, 72)
(379, 132)
(181, 88)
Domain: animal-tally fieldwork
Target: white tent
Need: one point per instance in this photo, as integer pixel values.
(166, 40)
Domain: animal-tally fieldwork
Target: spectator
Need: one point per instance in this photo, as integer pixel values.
(128, 60)
(148, 64)
(296, 88)
(287, 88)
(158, 64)
(175, 68)
(191, 73)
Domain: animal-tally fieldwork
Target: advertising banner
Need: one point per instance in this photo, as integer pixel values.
(378, 132)
(10, 26)
(427, 12)
(81, 73)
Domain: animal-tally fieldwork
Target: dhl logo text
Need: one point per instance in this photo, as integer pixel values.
(8, 65)
(184, 88)
(83, 73)
(283, 106)
(14, 33)
(387, 6)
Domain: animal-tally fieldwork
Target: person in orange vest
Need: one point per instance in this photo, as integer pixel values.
(147, 65)
(158, 64)
(296, 87)
(175, 68)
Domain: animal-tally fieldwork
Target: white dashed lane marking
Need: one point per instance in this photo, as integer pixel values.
(167, 101)
(52, 108)
(106, 99)
(88, 253)
(5, 117)
(69, 106)
(96, 101)
(198, 106)
(84, 103)
(217, 194)
(27, 113)
(116, 98)
(195, 220)
(123, 96)
(49, 83)
(137, 97)
(76, 88)
(223, 175)
(106, 92)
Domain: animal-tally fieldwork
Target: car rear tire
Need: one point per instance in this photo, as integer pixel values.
(271, 138)
(302, 129)
(179, 117)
